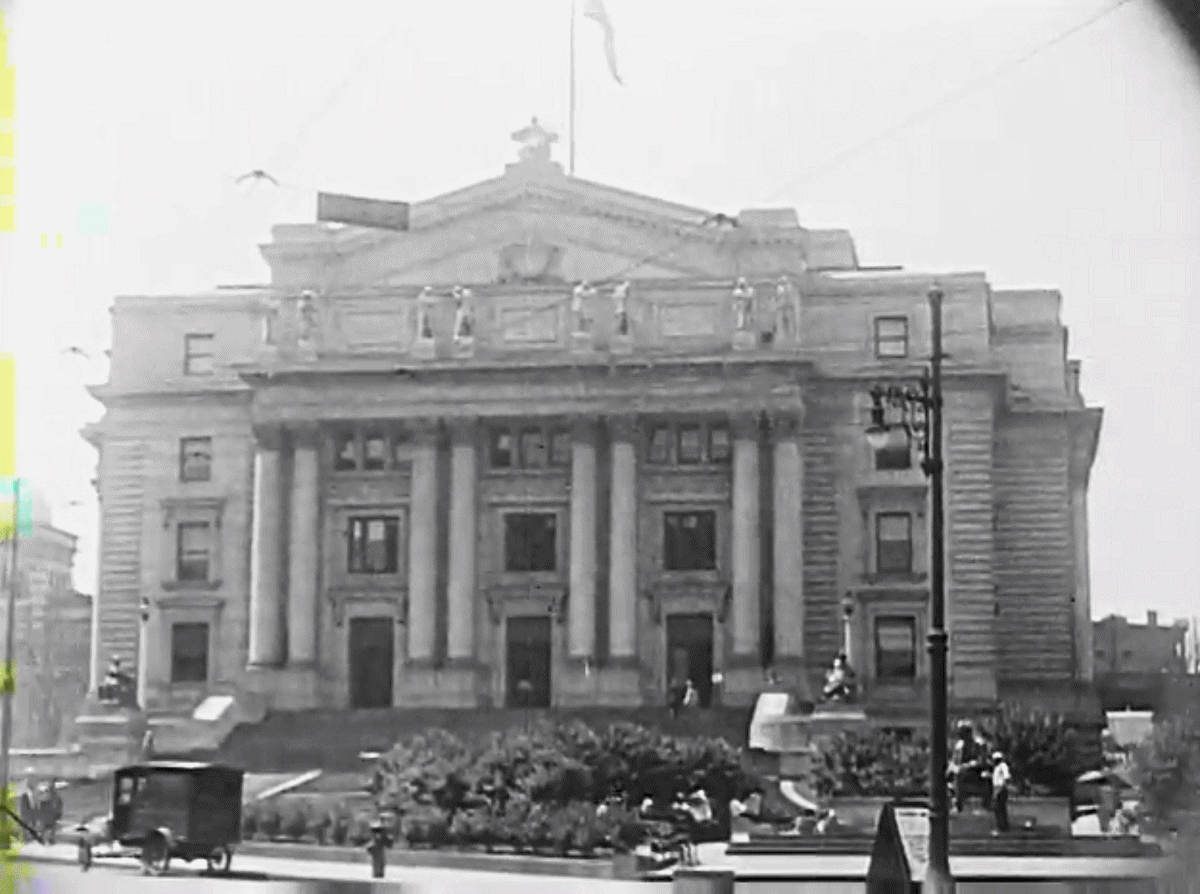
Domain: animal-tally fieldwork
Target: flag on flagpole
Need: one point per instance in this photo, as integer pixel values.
(594, 9)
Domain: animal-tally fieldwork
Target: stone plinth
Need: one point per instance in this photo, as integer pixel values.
(112, 731)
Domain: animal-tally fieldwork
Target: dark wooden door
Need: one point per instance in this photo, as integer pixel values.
(690, 652)
(372, 657)
(528, 645)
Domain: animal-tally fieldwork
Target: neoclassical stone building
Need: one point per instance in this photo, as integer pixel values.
(556, 442)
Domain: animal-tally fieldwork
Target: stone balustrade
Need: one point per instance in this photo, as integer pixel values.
(569, 319)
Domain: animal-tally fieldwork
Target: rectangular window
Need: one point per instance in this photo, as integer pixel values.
(195, 459)
(189, 653)
(531, 541)
(660, 446)
(198, 355)
(501, 450)
(535, 452)
(560, 448)
(374, 545)
(690, 541)
(346, 453)
(894, 458)
(691, 445)
(893, 543)
(896, 647)
(891, 337)
(194, 551)
(720, 449)
(374, 453)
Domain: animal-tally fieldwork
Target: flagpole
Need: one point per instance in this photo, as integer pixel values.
(571, 114)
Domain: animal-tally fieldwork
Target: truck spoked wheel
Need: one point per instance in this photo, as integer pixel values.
(156, 856)
(219, 860)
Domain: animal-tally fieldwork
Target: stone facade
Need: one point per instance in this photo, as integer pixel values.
(562, 432)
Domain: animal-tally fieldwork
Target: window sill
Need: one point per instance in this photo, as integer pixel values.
(536, 471)
(200, 586)
(895, 577)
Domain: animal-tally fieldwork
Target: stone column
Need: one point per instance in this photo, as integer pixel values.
(623, 552)
(788, 550)
(460, 591)
(422, 547)
(746, 555)
(266, 605)
(303, 550)
(1085, 657)
(582, 601)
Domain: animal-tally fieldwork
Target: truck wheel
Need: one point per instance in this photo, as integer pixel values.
(219, 860)
(156, 855)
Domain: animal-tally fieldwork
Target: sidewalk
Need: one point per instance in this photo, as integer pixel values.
(445, 878)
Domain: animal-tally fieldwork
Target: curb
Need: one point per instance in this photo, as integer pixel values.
(599, 868)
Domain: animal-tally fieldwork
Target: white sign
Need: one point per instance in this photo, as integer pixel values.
(913, 823)
(686, 320)
(530, 325)
(212, 708)
(333, 208)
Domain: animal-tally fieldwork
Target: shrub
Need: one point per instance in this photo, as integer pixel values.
(320, 824)
(269, 822)
(249, 821)
(877, 763)
(1166, 768)
(339, 825)
(295, 822)
(359, 829)
(1041, 749)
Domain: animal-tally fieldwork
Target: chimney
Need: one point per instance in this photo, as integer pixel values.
(1073, 378)
(1152, 619)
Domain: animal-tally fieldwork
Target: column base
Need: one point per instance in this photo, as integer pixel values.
(585, 685)
(285, 688)
(744, 680)
(452, 685)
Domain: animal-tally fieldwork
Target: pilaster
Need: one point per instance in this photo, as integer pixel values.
(422, 545)
(266, 605)
(303, 567)
(623, 508)
(463, 513)
(746, 552)
(582, 601)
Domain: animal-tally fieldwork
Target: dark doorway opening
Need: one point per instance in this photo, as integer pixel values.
(372, 658)
(528, 646)
(690, 653)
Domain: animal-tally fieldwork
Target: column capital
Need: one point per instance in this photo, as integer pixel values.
(623, 428)
(463, 429)
(268, 436)
(305, 434)
(785, 424)
(745, 425)
(424, 431)
(583, 429)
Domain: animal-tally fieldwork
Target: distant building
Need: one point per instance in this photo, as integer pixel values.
(1122, 647)
(51, 632)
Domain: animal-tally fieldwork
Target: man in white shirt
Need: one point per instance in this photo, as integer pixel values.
(1000, 779)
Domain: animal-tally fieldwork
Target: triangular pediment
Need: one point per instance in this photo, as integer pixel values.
(534, 224)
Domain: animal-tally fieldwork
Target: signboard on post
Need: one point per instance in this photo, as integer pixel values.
(376, 213)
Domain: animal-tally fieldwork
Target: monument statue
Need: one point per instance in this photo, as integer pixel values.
(270, 322)
(307, 313)
(118, 687)
(840, 685)
(425, 314)
(535, 142)
(785, 308)
(579, 313)
(621, 308)
(464, 316)
(743, 297)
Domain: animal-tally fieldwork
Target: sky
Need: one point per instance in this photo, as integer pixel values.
(969, 136)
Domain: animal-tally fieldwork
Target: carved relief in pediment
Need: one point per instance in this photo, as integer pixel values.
(532, 260)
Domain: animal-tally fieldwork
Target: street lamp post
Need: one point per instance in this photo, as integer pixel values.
(900, 415)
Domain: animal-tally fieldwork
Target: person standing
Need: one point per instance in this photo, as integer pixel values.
(1001, 776)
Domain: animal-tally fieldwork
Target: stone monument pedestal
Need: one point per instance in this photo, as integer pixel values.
(107, 733)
